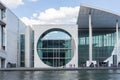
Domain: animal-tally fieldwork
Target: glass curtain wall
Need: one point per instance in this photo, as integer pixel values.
(55, 51)
(103, 45)
(83, 46)
(22, 50)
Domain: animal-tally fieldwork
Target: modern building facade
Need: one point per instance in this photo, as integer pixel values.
(10, 29)
(98, 37)
(92, 41)
(55, 45)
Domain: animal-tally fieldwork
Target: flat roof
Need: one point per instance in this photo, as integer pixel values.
(100, 18)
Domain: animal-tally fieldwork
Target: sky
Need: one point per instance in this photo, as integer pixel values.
(55, 11)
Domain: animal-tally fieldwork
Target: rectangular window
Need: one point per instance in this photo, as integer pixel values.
(2, 14)
(3, 37)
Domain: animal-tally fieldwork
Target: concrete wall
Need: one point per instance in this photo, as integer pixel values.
(28, 46)
(40, 29)
(13, 28)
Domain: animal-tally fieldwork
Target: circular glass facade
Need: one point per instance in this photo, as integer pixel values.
(54, 48)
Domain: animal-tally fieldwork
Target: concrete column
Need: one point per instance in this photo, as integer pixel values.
(90, 39)
(0, 62)
(0, 14)
(117, 38)
(0, 37)
(27, 47)
(115, 56)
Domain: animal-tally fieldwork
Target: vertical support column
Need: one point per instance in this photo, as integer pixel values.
(27, 47)
(117, 37)
(0, 62)
(115, 56)
(0, 14)
(90, 39)
(0, 37)
(117, 42)
(18, 46)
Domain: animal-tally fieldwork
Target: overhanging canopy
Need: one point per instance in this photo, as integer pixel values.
(100, 18)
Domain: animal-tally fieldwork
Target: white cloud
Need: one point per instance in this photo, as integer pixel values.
(33, 0)
(64, 15)
(35, 15)
(31, 21)
(12, 3)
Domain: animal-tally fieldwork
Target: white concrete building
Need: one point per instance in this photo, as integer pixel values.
(54, 44)
(93, 41)
(10, 29)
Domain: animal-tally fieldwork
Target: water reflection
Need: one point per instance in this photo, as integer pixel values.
(61, 75)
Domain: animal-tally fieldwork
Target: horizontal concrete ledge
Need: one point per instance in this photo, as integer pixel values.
(59, 69)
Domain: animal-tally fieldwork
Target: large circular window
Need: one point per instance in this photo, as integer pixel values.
(54, 47)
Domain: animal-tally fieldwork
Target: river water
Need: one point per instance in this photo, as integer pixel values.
(61, 75)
